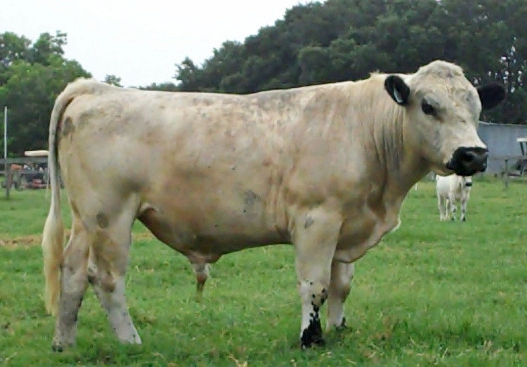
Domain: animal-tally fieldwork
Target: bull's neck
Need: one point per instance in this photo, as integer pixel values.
(401, 166)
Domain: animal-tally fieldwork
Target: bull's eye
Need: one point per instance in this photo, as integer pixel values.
(427, 108)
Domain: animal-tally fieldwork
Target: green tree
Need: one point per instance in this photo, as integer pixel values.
(189, 76)
(12, 49)
(46, 46)
(488, 39)
(313, 61)
(113, 80)
(31, 84)
(165, 87)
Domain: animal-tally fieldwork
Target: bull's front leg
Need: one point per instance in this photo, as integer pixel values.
(339, 289)
(315, 234)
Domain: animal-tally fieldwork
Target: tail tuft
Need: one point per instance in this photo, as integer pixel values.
(52, 244)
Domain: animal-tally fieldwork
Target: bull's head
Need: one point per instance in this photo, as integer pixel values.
(442, 113)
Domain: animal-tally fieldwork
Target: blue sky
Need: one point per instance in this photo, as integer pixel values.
(141, 41)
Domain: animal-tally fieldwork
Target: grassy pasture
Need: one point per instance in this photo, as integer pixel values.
(432, 293)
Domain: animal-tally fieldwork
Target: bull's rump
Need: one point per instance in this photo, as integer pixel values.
(204, 172)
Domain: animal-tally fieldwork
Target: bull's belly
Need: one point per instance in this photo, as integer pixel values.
(202, 236)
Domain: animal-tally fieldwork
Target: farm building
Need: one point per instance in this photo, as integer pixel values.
(501, 140)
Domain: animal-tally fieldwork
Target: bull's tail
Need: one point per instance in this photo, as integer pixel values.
(53, 234)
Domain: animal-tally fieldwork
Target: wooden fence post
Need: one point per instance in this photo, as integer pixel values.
(7, 178)
(506, 178)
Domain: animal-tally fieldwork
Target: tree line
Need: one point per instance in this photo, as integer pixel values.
(315, 43)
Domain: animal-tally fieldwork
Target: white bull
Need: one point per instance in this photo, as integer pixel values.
(450, 190)
(325, 168)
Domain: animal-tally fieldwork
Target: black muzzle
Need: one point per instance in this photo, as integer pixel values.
(468, 161)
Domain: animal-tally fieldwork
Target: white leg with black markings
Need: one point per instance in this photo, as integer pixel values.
(463, 210)
(451, 207)
(315, 237)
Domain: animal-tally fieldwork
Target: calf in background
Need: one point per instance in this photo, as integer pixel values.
(451, 190)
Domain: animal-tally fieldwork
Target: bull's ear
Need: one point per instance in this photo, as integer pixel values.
(397, 89)
(491, 95)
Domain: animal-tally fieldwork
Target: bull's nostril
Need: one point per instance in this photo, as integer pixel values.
(471, 156)
(468, 157)
(466, 161)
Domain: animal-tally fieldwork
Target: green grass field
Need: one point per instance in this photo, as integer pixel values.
(432, 293)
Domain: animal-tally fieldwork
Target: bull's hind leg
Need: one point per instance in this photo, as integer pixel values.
(339, 289)
(107, 269)
(315, 239)
(74, 282)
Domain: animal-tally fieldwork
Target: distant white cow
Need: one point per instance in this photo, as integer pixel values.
(451, 190)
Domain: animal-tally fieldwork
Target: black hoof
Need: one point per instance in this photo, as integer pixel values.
(57, 348)
(312, 335)
(342, 325)
(319, 342)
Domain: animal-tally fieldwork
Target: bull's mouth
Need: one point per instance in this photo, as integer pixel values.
(468, 161)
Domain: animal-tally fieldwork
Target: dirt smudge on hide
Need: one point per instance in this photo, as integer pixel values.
(67, 127)
(250, 199)
(102, 220)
